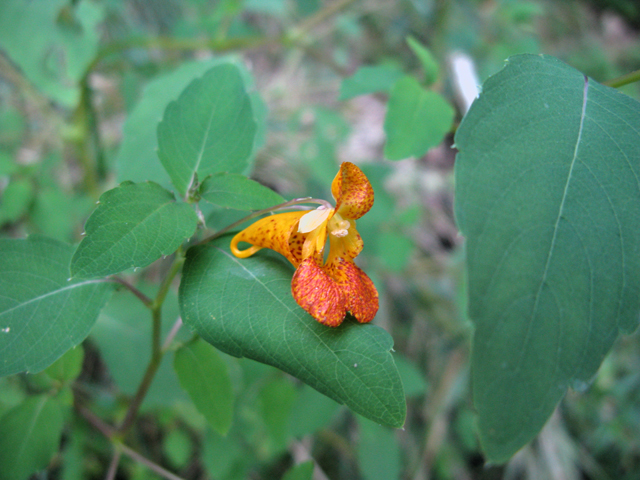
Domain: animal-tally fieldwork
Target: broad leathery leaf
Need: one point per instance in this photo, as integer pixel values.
(29, 437)
(245, 308)
(416, 120)
(205, 377)
(209, 129)
(138, 159)
(232, 190)
(548, 198)
(42, 312)
(52, 42)
(134, 225)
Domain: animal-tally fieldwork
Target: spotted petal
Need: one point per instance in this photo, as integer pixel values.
(360, 294)
(274, 232)
(317, 293)
(352, 191)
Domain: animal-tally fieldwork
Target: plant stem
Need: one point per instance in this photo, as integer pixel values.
(141, 296)
(149, 464)
(115, 461)
(172, 335)
(282, 206)
(624, 80)
(156, 351)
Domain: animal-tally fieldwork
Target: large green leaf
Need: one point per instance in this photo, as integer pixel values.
(236, 191)
(29, 437)
(42, 312)
(209, 129)
(138, 159)
(548, 198)
(205, 377)
(52, 42)
(134, 225)
(245, 308)
(416, 120)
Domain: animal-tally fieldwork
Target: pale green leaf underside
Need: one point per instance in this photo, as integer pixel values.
(205, 377)
(42, 314)
(232, 190)
(29, 437)
(134, 225)
(548, 198)
(209, 129)
(373, 79)
(245, 308)
(416, 120)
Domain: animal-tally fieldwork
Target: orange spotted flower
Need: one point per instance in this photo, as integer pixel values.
(330, 288)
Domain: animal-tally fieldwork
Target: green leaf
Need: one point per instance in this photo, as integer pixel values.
(311, 412)
(276, 401)
(178, 447)
(429, 63)
(122, 334)
(52, 42)
(42, 313)
(417, 120)
(378, 451)
(209, 129)
(548, 198)
(204, 375)
(302, 471)
(245, 308)
(134, 225)
(236, 191)
(68, 366)
(29, 437)
(379, 78)
(15, 200)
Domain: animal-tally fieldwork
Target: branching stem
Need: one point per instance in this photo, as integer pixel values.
(624, 80)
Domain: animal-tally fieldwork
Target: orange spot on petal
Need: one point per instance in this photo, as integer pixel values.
(352, 191)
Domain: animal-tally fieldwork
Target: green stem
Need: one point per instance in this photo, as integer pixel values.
(624, 80)
(156, 348)
(149, 464)
(282, 206)
(141, 296)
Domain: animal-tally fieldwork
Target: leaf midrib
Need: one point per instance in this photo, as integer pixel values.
(557, 223)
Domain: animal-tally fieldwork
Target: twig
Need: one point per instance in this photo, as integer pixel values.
(149, 464)
(104, 428)
(113, 466)
(172, 334)
(143, 298)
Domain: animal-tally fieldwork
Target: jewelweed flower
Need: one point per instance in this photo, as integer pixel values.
(326, 288)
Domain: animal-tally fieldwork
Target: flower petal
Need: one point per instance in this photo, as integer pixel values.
(313, 219)
(352, 191)
(348, 247)
(277, 232)
(361, 296)
(317, 293)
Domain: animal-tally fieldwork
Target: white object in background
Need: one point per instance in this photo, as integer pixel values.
(465, 79)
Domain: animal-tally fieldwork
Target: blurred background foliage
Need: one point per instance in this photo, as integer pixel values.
(63, 105)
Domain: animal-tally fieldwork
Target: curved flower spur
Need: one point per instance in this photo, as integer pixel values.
(326, 289)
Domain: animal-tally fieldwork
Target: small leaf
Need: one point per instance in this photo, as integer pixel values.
(15, 200)
(379, 78)
(302, 471)
(548, 198)
(245, 308)
(29, 437)
(209, 129)
(42, 313)
(68, 366)
(204, 375)
(232, 190)
(134, 225)
(429, 63)
(417, 120)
